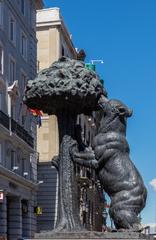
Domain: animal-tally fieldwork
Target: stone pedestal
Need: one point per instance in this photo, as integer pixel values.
(92, 235)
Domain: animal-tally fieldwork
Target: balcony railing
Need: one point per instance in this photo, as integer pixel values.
(16, 128)
(4, 119)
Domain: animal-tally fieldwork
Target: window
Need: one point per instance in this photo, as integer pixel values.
(38, 66)
(12, 163)
(13, 112)
(23, 165)
(62, 51)
(12, 30)
(1, 59)
(23, 120)
(12, 71)
(23, 6)
(24, 45)
(23, 81)
(1, 14)
(33, 18)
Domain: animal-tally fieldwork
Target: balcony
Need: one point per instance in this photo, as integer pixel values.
(12, 125)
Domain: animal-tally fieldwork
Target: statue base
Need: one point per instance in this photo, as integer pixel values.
(92, 235)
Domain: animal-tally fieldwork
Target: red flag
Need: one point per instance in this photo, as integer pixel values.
(36, 112)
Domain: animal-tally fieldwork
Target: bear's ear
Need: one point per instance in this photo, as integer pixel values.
(122, 111)
(125, 112)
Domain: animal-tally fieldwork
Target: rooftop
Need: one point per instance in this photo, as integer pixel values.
(49, 17)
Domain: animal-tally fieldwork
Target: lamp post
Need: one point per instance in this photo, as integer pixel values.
(92, 65)
(97, 60)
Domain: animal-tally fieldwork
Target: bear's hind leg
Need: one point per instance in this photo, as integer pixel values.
(125, 219)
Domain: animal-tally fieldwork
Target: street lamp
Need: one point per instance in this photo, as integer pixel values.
(15, 168)
(25, 174)
(92, 65)
(97, 60)
(40, 182)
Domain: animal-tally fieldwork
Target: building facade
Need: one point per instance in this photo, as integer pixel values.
(18, 157)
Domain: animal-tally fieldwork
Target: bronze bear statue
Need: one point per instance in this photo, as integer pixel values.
(110, 158)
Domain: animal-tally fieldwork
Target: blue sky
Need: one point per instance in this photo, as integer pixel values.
(123, 34)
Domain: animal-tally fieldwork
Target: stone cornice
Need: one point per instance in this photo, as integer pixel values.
(17, 179)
